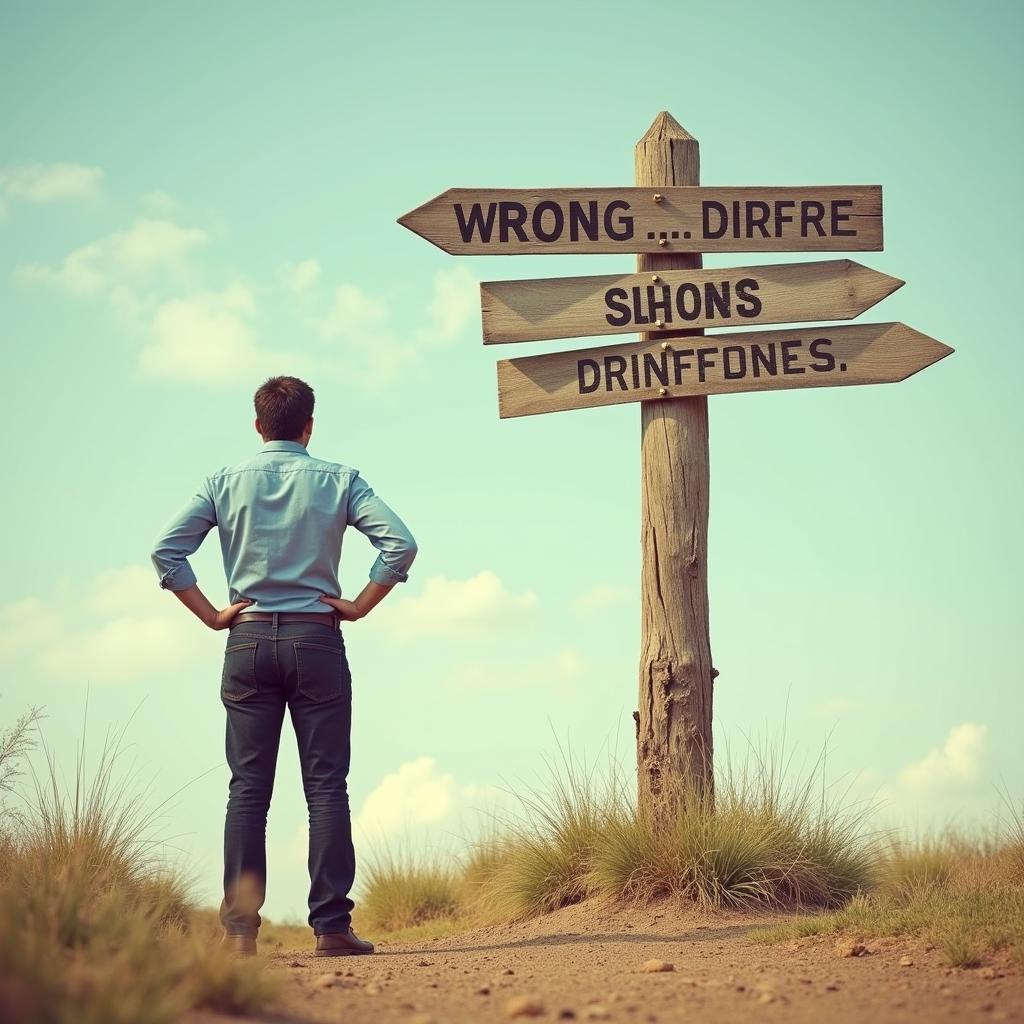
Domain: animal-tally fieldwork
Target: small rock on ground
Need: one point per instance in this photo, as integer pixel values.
(656, 967)
(846, 947)
(524, 1006)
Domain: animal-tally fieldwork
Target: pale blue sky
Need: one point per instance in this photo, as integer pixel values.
(195, 196)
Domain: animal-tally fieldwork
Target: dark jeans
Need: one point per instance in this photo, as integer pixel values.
(268, 666)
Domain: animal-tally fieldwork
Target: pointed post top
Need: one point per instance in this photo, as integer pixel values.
(665, 126)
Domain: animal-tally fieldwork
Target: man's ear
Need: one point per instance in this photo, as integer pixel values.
(309, 428)
(259, 429)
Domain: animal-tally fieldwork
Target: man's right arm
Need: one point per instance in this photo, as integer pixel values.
(395, 545)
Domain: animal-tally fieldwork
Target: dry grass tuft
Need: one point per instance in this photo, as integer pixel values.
(964, 894)
(760, 842)
(403, 892)
(86, 903)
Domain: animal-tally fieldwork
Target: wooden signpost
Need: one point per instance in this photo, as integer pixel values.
(668, 220)
(503, 221)
(574, 307)
(744, 361)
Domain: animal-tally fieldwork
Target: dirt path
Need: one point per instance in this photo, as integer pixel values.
(584, 964)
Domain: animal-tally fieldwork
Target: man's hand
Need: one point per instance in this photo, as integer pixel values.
(222, 619)
(198, 604)
(348, 610)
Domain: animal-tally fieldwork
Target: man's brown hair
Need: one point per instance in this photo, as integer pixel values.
(283, 407)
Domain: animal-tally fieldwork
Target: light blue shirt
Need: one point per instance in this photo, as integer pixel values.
(281, 517)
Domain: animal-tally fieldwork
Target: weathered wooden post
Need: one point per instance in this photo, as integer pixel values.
(673, 721)
(669, 219)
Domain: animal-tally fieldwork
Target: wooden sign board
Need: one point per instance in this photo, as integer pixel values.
(710, 365)
(573, 307)
(811, 218)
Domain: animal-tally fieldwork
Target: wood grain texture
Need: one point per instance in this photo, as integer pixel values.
(673, 717)
(768, 218)
(574, 307)
(772, 360)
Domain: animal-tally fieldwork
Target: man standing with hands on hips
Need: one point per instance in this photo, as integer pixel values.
(281, 516)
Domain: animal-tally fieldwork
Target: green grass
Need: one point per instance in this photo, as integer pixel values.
(964, 895)
(94, 928)
(403, 892)
(767, 841)
(762, 842)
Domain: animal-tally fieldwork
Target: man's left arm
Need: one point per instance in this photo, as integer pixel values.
(179, 539)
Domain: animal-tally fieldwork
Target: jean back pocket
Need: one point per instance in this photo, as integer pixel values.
(321, 670)
(238, 678)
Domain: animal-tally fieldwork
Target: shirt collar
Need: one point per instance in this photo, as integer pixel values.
(284, 446)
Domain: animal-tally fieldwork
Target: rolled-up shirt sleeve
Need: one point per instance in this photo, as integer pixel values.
(180, 538)
(385, 531)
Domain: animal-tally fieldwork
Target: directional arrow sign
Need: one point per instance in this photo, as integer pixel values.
(819, 218)
(572, 307)
(719, 364)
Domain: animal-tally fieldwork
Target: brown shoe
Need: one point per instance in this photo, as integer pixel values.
(342, 944)
(239, 945)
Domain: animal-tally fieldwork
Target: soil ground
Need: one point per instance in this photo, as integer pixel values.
(584, 963)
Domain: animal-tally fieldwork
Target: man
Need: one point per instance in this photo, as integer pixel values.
(281, 517)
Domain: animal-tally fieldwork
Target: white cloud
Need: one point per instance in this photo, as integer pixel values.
(299, 278)
(120, 627)
(24, 625)
(599, 596)
(957, 761)
(456, 299)
(418, 797)
(45, 183)
(148, 247)
(207, 338)
(374, 350)
(159, 201)
(352, 312)
(418, 793)
(418, 806)
(459, 608)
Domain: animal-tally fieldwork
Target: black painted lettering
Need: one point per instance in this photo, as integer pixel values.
(751, 303)
(553, 233)
(757, 217)
(717, 300)
(709, 210)
(615, 369)
(838, 218)
(679, 363)
(811, 212)
(619, 229)
(656, 365)
(704, 362)
(634, 361)
(760, 359)
(734, 362)
(583, 366)
(659, 309)
(588, 223)
(791, 359)
(476, 221)
(512, 217)
(820, 349)
(614, 300)
(638, 307)
(781, 217)
(691, 310)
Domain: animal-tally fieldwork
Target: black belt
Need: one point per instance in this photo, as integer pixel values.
(325, 618)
